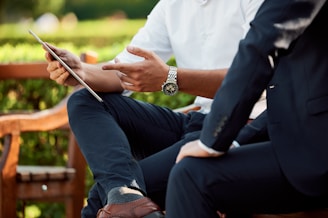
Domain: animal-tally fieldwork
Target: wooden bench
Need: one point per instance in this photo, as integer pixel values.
(319, 213)
(38, 183)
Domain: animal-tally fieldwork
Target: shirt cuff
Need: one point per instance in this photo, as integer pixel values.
(236, 144)
(208, 149)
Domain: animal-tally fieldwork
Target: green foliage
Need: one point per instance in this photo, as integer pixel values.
(30, 95)
(44, 210)
(49, 148)
(86, 9)
(41, 6)
(101, 35)
(15, 10)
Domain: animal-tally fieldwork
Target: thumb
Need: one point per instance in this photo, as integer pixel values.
(139, 51)
(52, 47)
(46, 46)
(58, 51)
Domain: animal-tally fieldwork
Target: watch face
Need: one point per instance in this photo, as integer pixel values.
(170, 88)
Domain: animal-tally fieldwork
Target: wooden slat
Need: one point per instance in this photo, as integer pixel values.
(24, 71)
(48, 191)
(40, 121)
(43, 173)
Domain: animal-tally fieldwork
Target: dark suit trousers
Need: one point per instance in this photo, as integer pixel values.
(128, 143)
(245, 180)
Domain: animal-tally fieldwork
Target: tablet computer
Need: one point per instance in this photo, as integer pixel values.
(66, 66)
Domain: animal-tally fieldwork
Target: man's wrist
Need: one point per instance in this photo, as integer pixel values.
(170, 86)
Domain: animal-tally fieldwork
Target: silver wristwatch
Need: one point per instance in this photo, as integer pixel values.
(170, 86)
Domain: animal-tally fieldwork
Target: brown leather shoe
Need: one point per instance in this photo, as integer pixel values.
(141, 208)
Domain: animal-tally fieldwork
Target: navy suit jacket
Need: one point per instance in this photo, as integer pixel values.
(286, 53)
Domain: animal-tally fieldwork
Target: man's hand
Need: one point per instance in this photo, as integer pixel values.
(57, 72)
(192, 149)
(144, 76)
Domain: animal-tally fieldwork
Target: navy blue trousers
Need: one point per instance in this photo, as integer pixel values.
(128, 143)
(244, 181)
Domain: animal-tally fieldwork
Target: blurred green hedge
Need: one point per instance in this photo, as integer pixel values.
(15, 10)
(98, 8)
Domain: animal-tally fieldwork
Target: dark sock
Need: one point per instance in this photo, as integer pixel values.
(123, 194)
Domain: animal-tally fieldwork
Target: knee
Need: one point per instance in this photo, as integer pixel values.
(181, 172)
(80, 104)
(78, 99)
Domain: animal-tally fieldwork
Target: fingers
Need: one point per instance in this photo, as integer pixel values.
(53, 65)
(139, 52)
(179, 157)
(57, 72)
(126, 82)
(126, 66)
(193, 149)
(183, 153)
(62, 78)
(48, 57)
(60, 52)
(221, 215)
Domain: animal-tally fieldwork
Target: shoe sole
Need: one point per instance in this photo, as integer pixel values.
(155, 215)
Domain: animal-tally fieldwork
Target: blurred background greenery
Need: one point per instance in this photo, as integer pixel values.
(14, 10)
(104, 27)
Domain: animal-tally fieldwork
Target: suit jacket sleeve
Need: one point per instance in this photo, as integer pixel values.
(276, 25)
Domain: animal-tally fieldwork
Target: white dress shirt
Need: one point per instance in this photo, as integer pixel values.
(200, 34)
